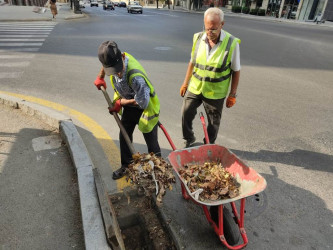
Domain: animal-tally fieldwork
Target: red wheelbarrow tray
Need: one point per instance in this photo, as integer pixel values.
(250, 181)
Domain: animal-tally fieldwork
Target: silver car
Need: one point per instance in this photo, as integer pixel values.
(134, 6)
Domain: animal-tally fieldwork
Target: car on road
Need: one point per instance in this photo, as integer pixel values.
(116, 4)
(134, 6)
(108, 6)
(93, 3)
(122, 4)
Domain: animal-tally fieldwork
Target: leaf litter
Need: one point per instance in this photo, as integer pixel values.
(209, 181)
(152, 173)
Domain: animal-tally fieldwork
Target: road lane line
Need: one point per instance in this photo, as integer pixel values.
(110, 149)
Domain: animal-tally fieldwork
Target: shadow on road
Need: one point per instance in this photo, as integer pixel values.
(298, 157)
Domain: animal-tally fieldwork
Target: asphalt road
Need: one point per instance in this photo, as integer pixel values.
(281, 124)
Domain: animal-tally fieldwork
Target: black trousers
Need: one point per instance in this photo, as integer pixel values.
(213, 110)
(130, 119)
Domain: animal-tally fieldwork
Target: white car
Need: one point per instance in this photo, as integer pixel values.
(134, 6)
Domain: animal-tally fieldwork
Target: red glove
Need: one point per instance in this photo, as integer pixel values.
(116, 107)
(231, 101)
(99, 82)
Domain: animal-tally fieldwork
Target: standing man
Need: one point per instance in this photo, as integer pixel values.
(214, 64)
(135, 94)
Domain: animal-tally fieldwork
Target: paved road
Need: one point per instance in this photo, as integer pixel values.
(281, 124)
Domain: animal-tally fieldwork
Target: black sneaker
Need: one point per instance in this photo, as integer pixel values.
(188, 143)
(119, 173)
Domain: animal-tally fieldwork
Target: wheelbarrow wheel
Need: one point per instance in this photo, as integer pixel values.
(230, 227)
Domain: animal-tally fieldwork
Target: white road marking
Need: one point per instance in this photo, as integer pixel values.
(23, 33)
(26, 36)
(8, 75)
(19, 50)
(20, 44)
(160, 13)
(21, 40)
(162, 48)
(46, 142)
(25, 56)
(14, 64)
(21, 37)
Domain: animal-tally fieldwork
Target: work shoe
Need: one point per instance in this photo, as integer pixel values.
(119, 173)
(188, 143)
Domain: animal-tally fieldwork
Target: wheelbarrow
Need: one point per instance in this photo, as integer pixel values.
(225, 226)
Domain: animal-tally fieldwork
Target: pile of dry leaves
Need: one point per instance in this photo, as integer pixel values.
(152, 173)
(209, 181)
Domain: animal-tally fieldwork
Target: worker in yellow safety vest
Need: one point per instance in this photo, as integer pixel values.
(134, 95)
(215, 62)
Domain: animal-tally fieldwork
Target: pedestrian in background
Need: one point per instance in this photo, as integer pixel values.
(215, 62)
(53, 8)
(134, 95)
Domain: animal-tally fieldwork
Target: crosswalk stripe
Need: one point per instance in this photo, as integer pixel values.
(18, 49)
(25, 26)
(14, 64)
(30, 23)
(4, 75)
(17, 56)
(24, 32)
(18, 29)
(27, 36)
(16, 39)
(20, 44)
(21, 40)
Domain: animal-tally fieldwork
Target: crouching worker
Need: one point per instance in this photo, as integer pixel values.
(134, 95)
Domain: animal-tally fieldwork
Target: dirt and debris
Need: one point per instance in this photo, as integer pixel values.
(140, 223)
(209, 181)
(152, 173)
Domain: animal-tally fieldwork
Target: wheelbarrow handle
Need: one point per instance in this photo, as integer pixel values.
(167, 135)
(120, 125)
(202, 118)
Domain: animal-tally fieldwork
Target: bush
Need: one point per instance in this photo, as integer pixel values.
(245, 10)
(261, 12)
(236, 9)
(254, 11)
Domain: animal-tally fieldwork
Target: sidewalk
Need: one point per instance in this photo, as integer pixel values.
(26, 13)
(40, 203)
(47, 185)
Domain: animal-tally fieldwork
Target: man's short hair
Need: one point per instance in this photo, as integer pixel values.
(214, 11)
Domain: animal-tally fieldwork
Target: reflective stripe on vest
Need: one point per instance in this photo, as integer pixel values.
(212, 77)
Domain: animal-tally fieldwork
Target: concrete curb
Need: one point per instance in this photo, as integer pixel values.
(93, 229)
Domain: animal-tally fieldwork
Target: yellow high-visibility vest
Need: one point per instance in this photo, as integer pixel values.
(212, 77)
(150, 115)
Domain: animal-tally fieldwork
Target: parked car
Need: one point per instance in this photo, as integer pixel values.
(122, 4)
(93, 3)
(81, 4)
(134, 6)
(116, 4)
(108, 6)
